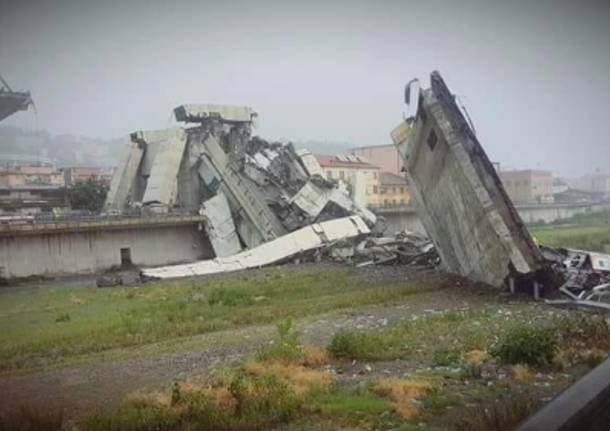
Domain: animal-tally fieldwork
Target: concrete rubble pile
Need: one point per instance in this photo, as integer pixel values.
(346, 240)
(458, 195)
(405, 248)
(251, 191)
(586, 277)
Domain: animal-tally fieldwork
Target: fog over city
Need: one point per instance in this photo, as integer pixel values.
(534, 76)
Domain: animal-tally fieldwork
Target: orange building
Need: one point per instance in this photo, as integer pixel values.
(393, 190)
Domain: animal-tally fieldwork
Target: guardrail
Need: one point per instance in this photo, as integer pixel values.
(583, 406)
(99, 223)
(69, 218)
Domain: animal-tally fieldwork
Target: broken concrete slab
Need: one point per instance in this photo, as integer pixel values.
(458, 195)
(220, 227)
(196, 113)
(163, 153)
(123, 181)
(303, 240)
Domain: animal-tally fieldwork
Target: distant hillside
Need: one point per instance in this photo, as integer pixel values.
(69, 150)
(63, 150)
(324, 147)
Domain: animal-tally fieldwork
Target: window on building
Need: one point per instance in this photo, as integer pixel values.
(393, 189)
(329, 175)
(342, 175)
(375, 189)
(375, 175)
(402, 190)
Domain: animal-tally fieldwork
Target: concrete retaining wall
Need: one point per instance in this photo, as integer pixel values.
(92, 251)
(407, 218)
(551, 213)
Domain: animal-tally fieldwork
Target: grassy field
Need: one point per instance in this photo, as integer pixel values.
(46, 325)
(494, 361)
(476, 362)
(584, 231)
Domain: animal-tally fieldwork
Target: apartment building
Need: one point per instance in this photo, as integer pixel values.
(528, 186)
(360, 176)
(393, 191)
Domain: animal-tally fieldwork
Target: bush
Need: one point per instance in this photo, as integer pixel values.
(535, 346)
(446, 356)
(355, 345)
(286, 346)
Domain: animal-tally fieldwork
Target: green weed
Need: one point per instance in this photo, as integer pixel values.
(446, 356)
(355, 345)
(286, 345)
(529, 345)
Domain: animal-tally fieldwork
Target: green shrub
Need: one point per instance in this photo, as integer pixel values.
(446, 356)
(263, 399)
(529, 345)
(286, 345)
(355, 345)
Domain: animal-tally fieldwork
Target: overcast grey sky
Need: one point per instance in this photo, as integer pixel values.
(534, 75)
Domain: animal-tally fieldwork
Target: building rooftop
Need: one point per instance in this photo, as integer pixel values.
(344, 161)
(389, 179)
(525, 171)
(367, 147)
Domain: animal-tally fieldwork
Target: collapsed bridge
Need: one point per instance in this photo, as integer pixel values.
(12, 101)
(249, 190)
